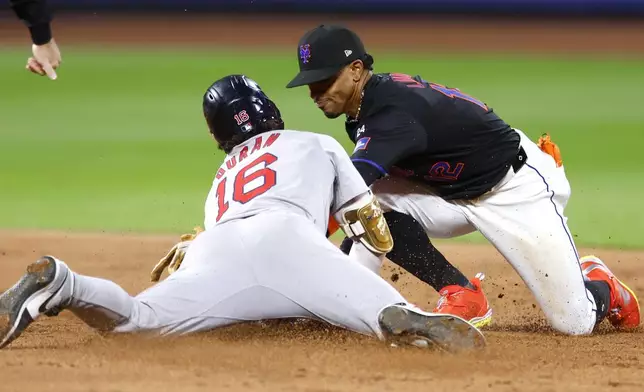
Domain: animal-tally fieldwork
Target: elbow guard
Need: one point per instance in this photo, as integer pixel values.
(362, 220)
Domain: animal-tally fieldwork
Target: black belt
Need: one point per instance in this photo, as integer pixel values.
(519, 160)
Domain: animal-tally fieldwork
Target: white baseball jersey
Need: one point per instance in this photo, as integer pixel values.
(283, 170)
(264, 254)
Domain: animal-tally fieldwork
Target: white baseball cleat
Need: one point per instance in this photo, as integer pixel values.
(44, 289)
(405, 324)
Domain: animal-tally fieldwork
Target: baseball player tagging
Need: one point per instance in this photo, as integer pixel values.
(449, 161)
(264, 253)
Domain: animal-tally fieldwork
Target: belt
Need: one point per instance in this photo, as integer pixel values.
(519, 160)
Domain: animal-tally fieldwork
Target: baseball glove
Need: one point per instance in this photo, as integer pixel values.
(172, 260)
(549, 147)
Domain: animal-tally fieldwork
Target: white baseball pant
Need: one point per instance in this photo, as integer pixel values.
(271, 265)
(523, 218)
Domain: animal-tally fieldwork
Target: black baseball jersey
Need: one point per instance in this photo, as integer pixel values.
(431, 133)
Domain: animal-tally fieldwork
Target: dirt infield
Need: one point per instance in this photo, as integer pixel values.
(60, 353)
(63, 354)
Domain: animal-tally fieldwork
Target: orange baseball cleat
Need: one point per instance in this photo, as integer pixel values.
(624, 312)
(466, 303)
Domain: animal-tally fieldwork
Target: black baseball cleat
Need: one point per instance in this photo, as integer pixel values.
(44, 289)
(404, 324)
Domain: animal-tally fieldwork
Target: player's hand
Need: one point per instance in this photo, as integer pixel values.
(173, 259)
(46, 59)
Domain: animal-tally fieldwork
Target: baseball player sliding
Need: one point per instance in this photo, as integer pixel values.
(274, 186)
(449, 161)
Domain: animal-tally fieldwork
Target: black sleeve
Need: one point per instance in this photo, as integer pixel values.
(36, 15)
(384, 140)
(414, 252)
(368, 172)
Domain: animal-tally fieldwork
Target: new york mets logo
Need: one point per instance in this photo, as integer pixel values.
(305, 53)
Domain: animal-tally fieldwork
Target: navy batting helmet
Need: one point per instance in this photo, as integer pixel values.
(236, 109)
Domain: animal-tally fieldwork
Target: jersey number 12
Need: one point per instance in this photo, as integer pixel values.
(242, 179)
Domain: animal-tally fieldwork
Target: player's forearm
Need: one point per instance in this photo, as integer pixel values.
(37, 16)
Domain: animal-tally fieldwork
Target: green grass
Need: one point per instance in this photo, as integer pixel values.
(118, 142)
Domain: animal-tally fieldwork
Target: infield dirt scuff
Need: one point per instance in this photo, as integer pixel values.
(523, 353)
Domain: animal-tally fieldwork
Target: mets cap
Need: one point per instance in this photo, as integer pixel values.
(324, 51)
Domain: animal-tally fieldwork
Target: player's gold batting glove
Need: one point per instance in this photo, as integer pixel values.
(172, 260)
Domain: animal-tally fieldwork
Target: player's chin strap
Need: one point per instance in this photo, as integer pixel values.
(362, 220)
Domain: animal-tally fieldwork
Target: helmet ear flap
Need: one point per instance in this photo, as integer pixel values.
(278, 114)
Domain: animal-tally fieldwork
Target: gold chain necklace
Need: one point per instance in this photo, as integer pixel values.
(360, 105)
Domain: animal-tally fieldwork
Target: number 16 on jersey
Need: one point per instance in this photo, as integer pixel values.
(252, 180)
